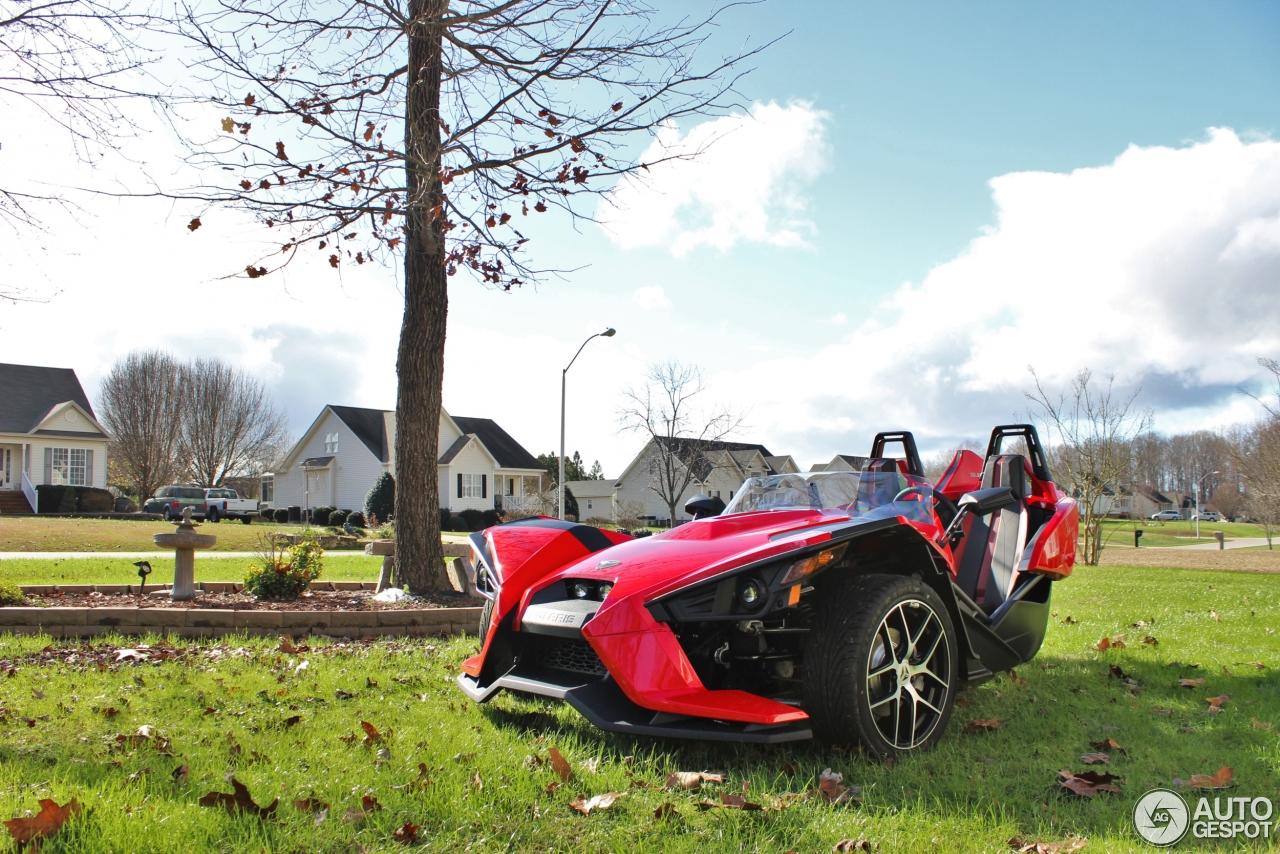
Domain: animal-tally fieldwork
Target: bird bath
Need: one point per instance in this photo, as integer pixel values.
(184, 540)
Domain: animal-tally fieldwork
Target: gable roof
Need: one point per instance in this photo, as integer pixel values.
(29, 393)
(369, 426)
(506, 450)
(692, 453)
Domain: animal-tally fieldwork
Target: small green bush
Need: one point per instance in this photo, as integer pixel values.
(355, 519)
(320, 515)
(380, 503)
(285, 574)
(491, 518)
(280, 514)
(445, 516)
(11, 596)
(90, 499)
(458, 525)
(474, 519)
(337, 517)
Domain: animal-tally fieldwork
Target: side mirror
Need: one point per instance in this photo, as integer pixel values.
(980, 502)
(700, 507)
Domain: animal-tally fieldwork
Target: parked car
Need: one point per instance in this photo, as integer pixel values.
(221, 503)
(1167, 516)
(851, 606)
(169, 502)
(1208, 516)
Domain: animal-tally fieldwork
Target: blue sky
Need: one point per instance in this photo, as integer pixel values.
(954, 192)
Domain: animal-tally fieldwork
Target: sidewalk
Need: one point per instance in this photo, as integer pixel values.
(1240, 543)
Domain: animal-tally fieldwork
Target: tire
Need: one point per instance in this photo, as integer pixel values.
(168, 514)
(486, 617)
(246, 519)
(852, 691)
(211, 515)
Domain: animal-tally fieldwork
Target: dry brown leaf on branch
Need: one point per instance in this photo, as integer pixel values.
(1095, 759)
(1190, 683)
(560, 765)
(1220, 779)
(585, 805)
(691, 780)
(1088, 783)
(983, 725)
(833, 791)
(1073, 843)
(44, 823)
(240, 801)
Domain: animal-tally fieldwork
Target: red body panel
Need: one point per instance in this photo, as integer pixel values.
(1054, 553)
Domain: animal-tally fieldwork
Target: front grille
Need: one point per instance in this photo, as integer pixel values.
(576, 656)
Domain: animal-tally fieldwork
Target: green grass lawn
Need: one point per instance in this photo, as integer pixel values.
(44, 534)
(971, 794)
(338, 566)
(1119, 532)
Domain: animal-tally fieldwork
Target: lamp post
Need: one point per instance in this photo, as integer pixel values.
(1198, 482)
(608, 333)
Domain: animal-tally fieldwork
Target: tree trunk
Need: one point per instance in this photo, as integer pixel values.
(420, 362)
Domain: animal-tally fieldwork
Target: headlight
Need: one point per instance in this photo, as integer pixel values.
(580, 590)
(802, 569)
(751, 592)
(604, 588)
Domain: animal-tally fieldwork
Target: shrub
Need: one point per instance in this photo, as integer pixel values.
(445, 516)
(570, 504)
(630, 522)
(51, 498)
(381, 500)
(355, 519)
(598, 522)
(90, 499)
(11, 596)
(337, 517)
(491, 518)
(277, 574)
(458, 524)
(280, 514)
(320, 515)
(473, 518)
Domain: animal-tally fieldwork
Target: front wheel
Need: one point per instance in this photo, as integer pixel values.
(881, 665)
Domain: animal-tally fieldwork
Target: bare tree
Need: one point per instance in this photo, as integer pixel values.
(1093, 431)
(230, 427)
(140, 404)
(935, 465)
(684, 442)
(427, 130)
(1258, 458)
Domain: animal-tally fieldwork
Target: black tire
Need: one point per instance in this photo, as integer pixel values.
(246, 519)
(168, 514)
(486, 616)
(853, 693)
(211, 515)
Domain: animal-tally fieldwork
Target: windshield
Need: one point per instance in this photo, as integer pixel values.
(852, 493)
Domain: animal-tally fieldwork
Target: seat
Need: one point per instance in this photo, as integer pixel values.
(882, 485)
(992, 545)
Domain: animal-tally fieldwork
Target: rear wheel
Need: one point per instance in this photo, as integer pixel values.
(246, 520)
(211, 515)
(880, 666)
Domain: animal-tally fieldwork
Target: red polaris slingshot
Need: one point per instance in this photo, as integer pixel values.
(850, 606)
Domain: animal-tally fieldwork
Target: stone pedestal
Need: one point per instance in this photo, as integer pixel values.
(386, 549)
(184, 541)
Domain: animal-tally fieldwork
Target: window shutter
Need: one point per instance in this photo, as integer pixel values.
(459, 486)
(88, 468)
(48, 465)
(484, 486)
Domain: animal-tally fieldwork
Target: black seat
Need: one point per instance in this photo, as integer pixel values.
(992, 545)
(882, 486)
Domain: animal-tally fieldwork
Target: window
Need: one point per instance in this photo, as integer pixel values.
(268, 490)
(588, 503)
(331, 443)
(68, 466)
(511, 486)
(472, 486)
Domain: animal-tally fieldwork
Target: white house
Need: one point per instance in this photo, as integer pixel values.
(841, 462)
(48, 434)
(346, 448)
(719, 470)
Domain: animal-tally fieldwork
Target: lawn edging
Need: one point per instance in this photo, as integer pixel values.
(217, 622)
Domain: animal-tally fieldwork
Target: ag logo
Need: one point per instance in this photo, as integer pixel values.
(1161, 817)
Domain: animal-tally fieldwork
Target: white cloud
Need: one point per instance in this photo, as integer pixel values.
(651, 297)
(1160, 267)
(743, 185)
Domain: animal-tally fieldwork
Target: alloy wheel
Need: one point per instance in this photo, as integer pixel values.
(908, 674)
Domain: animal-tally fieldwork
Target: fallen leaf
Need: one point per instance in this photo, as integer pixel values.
(691, 780)
(1190, 683)
(371, 734)
(560, 765)
(1107, 643)
(1117, 672)
(310, 805)
(45, 823)
(1140, 624)
(858, 844)
(1088, 783)
(110, 712)
(1095, 759)
(790, 769)
(600, 802)
(292, 720)
(340, 694)
(1226, 671)
(1108, 744)
(180, 774)
(370, 804)
(1016, 679)
(963, 703)
(1072, 843)
(1257, 724)
(983, 725)
(138, 775)
(1214, 614)
(1220, 779)
(1161, 711)
(1070, 620)
(1150, 640)
(666, 810)
(477, 781)
(351, 816)
(1216, 702)
(240, 801)
(407, 834)
(833, 791)
(38, 694)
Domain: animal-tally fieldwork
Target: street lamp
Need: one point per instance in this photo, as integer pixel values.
(608, 333)
(1197, 496)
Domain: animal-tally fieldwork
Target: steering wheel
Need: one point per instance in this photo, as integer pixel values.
(922, 493)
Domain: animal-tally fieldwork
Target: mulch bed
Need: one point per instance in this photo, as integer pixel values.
(341, 600)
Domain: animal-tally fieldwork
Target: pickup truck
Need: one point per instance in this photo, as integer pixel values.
(221, 503)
